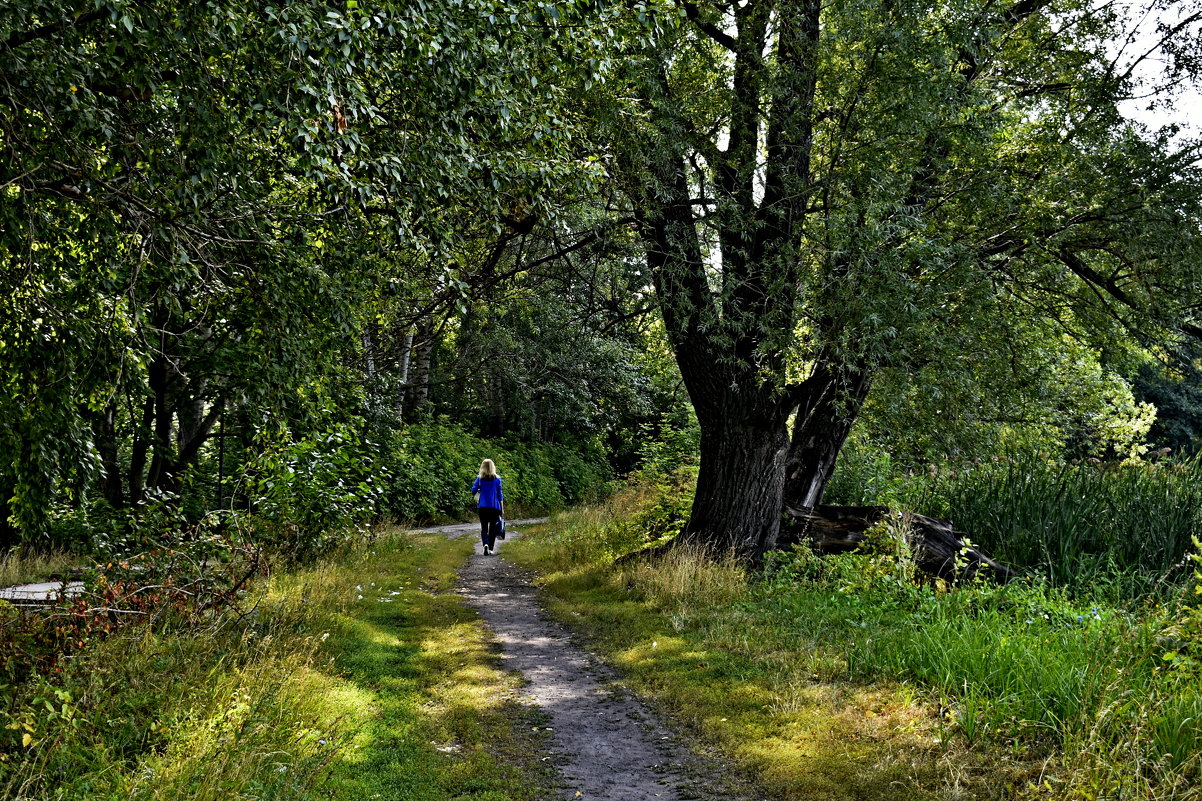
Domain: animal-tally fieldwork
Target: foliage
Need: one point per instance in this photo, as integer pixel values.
(181, 583)
(309, 493)
(1042, 398)
(835, 193)
(432, 467)
(1174, 391)
(201, 203)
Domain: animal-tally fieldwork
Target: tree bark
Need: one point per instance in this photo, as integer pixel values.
(105, 431)
(403, 391)
(736, 506)
(425, 356)
(829, 405)
(162, 467)
(139, 452)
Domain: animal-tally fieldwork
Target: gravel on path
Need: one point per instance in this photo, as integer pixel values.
(608, 746)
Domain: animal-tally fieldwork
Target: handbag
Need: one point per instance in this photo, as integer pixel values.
(501, 528)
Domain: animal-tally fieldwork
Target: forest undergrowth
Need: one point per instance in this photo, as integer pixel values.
(853, 676)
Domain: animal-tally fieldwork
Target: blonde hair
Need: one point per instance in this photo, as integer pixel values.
(488, 469)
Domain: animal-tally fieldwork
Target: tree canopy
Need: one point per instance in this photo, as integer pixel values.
(227, 225)
(830, 190)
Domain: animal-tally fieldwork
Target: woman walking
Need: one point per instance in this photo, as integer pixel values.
(490, 503)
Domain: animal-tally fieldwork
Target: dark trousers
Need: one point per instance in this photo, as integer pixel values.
(487, 517)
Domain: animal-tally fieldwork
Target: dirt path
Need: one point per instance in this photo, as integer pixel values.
(608, 745)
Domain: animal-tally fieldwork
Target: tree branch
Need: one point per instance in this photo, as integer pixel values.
(709, 29)
(20, 38)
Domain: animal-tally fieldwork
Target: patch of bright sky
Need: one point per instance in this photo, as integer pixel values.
(1182, 104)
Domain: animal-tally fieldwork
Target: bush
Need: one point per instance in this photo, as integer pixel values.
(650, 508)
(431, 467)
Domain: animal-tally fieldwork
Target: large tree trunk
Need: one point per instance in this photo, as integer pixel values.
(725, 320)
(736, 507)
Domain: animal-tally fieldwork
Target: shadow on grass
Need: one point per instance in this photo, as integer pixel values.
(431, 715)
(795, 735)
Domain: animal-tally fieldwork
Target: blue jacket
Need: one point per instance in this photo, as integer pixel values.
(491, 496)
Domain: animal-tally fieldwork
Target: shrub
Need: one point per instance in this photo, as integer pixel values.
(649, 508)
(431, 466)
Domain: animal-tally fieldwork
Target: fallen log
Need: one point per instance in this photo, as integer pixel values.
(937, 548)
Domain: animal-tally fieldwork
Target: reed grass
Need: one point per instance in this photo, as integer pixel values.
(1116, 531)
(23, 566)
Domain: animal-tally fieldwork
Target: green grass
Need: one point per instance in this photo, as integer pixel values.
(314, 692)
(686, 635)
(20, 566)
(1113, 531)
(842, 678)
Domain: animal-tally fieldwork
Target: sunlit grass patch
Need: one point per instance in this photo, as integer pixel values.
(20, 566)
(361, 677)
(683, 632)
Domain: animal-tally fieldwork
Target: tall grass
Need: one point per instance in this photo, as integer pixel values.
(20, 566)
(334, 681)
(1119, 529)
(650, 509)
(1022, 664)
(206, 712)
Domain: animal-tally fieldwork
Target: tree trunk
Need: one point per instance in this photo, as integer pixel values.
(369, 351)
(736, 507)
(403, 391)
(137, 459)
(105, 431)
(824, 418)
(425, 355)
(198, 435)
(162, 463)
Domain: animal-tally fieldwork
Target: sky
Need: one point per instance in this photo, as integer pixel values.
(1186, 106)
